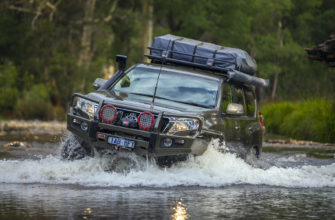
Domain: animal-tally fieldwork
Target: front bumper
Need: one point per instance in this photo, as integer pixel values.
(146, 142)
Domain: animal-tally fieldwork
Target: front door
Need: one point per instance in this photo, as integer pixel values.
(233, 124)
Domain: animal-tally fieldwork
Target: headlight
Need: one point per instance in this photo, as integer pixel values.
(181, 124)
(85, 107)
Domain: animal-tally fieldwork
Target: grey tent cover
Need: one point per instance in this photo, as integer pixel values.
(199, 52)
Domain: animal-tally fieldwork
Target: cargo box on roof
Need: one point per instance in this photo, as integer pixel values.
(198, 52)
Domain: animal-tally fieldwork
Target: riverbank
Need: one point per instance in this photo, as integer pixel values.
(41, 131)
(53, 131)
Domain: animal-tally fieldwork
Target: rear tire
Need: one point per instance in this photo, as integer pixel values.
(75, 148)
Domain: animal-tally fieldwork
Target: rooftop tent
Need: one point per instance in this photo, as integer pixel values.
(233, 63)
(198, 52)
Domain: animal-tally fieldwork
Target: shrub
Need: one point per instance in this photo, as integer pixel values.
(8, 92)
(309, 120)
(36, 105)
(274, 114)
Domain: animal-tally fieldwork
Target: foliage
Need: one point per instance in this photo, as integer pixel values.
(274, 32)
(36, 104)
(44, 44)
(8, 91)
(306, 120)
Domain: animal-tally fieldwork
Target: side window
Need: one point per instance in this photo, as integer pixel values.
(238, 96)
(250, 101)
(227, 97)
(232, 94)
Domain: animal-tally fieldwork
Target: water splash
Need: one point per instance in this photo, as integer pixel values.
(212, 169)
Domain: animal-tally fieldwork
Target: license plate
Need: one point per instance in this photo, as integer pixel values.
(121, 142)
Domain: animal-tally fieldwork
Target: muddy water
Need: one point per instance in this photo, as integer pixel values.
(286, 183)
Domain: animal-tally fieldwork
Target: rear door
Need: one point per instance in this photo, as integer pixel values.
(252, 128)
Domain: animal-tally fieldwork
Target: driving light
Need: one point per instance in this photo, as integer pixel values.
(167, 142)
(85, 106)
(84, 126)
(146, 120)
(181, 124)
(108, 113)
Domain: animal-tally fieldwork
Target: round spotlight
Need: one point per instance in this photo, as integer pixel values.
(108, 113)
(167, 142)
(146, 120)
(84, 126)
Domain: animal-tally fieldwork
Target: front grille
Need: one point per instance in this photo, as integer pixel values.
(165, 122)
(127, 118)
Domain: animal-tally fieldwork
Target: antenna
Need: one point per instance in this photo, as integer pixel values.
(159, 74)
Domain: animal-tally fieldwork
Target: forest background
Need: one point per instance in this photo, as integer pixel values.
(52, 48)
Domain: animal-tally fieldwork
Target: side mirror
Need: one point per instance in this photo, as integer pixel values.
(234, 109)
(98, 83)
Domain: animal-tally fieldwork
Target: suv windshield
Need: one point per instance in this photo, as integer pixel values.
(172, 87)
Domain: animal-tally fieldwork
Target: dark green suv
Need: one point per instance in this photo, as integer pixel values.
(166, 109)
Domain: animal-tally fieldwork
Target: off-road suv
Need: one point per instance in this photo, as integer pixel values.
(190, 93)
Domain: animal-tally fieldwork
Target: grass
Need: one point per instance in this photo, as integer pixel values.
(309, 120)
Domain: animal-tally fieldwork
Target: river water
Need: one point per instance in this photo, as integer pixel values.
(36, 184)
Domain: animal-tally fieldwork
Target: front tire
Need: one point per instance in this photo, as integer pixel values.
(168, 161)
(253, 155)
(75, 148)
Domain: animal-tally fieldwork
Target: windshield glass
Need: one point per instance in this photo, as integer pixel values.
(173, 87)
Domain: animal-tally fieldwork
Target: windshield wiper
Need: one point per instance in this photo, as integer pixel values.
(188, 103)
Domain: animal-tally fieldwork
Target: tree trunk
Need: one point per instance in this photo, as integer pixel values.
(148, 26)
(259, 91)
(281, 44)
(274, 87)
(85, 55)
